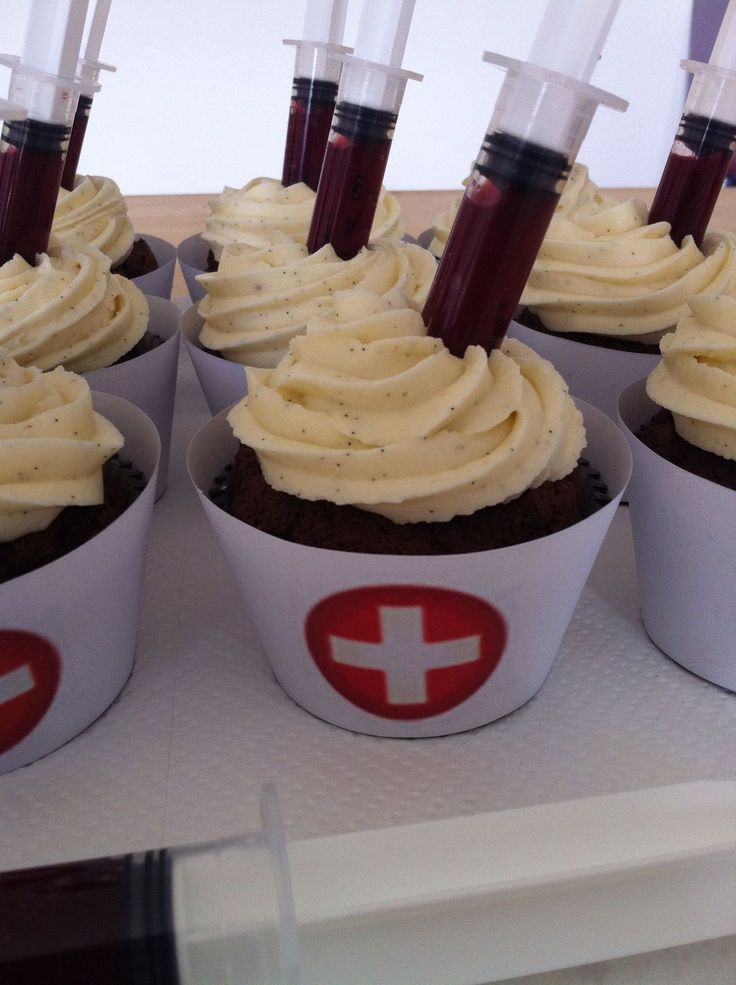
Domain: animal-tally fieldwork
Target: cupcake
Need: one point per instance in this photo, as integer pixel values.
(607, 285)
(387, 472)
(73, 523)
(94, 214)
(258, 301)
(263, 214)
(681, 425)
(69, 310)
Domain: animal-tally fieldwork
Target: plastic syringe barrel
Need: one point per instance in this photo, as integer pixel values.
(317, 59)
(572, 34)
(544, 107)
(374, 85)
(12, 111)
(712, 92)
(47, 98)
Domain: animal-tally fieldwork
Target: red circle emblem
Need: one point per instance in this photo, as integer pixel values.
(405, 651)
(30, 669)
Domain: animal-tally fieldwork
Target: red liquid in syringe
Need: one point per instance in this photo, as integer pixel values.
(492, 245)
(31, 164)
(79, 129)
(351, 179)
(310, 119)
(693, 177)
(102, 920)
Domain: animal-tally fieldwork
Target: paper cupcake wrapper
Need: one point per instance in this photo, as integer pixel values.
(410, 646)
(223, 382)
(192, 255)
(593, 373)
(158, 283)
(68, 629)
(684, 530)
(149, 380)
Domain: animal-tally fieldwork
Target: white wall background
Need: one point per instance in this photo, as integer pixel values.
(201, 95)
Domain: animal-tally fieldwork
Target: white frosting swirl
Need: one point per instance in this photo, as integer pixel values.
(603, 269)
(52, 446)
(442, 224)
(367, 409)
(263, 213)
(69, 310)
(257, 302)
(696, 378)
(94, 213)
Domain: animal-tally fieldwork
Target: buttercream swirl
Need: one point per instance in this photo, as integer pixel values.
(52, 446)
(603, 269)
(69, 310)
(442, 224)
(264, 213)
(696, 378)
(257, 302)
(94, 213)
(367, 409)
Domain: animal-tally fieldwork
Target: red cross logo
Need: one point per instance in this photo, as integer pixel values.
(405, 651)
(29, 678)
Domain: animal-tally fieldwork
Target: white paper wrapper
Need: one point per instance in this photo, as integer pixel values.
(489, 622)
(149, 381)
(593, 373)
(68, 630)
(192, 254)
(685, 544)
(159, 281)
(223, 381)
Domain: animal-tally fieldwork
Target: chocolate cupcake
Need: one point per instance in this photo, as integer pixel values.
(94, 213)
(257, 302)
(71, 553)
(682, 432)
(70, 310)
(261, 214)
(367, 417)
(607, 285)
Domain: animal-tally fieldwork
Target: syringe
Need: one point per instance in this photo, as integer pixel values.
(541, 117)
(371, 89)
(32, 151)
(218, 913)
(696, 167)
(89, 73)
(314, 92)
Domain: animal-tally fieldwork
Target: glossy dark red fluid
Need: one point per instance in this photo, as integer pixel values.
(79, 129)
(351, 178)
(30, 176)
(71, 925)
(688, 192)
(310, 118)
(488, 257)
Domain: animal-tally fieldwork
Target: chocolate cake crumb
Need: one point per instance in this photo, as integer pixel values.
(74, 526)
(551, 507)
(138, 262)
(145, 344)
(660, 435)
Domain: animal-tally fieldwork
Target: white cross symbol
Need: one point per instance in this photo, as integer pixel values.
(15, 683)
(403, 654)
